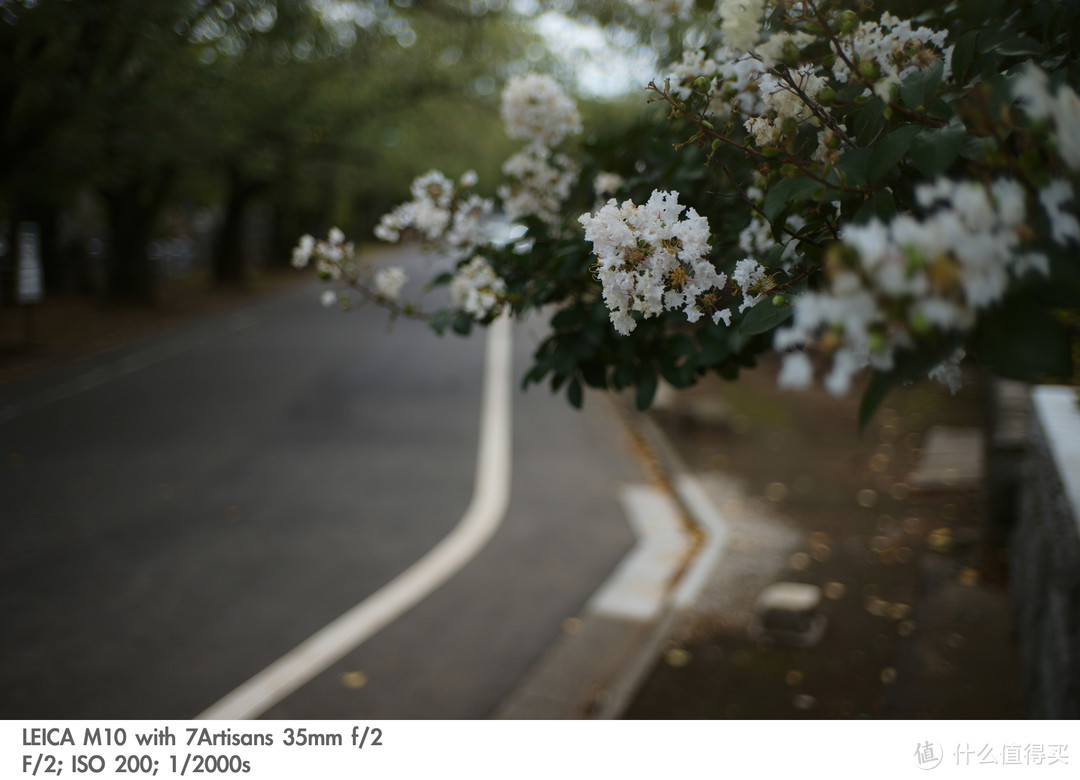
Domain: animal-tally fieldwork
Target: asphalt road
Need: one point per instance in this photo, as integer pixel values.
(177, 515)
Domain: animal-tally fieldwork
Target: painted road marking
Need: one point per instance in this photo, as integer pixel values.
(483, 516)
(638, 587)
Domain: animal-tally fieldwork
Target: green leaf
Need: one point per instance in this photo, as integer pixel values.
(877, 390)
(963, 55)
(890, 152)
(868, 121)
(440, 321)
(880, 205)
(594, 375)
(853, 166)
(646, 388)
(624, 376)
(934, 151)
(764, 317)
(774, 257)
(462, 323)
(919, 89)
(575, 394)
(784, 193)
(569, 318)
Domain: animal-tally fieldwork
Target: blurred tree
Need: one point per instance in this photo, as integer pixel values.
(297, 102)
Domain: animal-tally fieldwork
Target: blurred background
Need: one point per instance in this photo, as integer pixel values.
(151, 140)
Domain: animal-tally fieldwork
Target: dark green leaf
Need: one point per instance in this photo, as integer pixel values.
(774, 257)
(876, 392)
(963, 55)
(887, 154)
(624, 376)
(440, 321)
(574, 394)
(764, 317)
(784, 193)
(919, 89)
(462, 323)
(646, 388)
(868, 121)
(934, 151)
(853, 166)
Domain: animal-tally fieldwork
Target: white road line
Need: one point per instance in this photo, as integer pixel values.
(711, 524)
(491, 494)
(639, 585)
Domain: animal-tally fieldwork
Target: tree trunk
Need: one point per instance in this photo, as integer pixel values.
(230, 268)
(132, 277)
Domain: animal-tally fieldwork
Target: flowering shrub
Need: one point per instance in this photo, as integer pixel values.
(854, 190)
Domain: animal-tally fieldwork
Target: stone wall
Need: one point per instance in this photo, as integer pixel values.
(1045, 551)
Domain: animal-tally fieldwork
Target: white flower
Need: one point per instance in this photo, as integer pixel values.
(1063, 224)
(475, 288)
(741, 23)
(651, 258)
(389, 282)
(1067, 120)
(607, 183)
(536, 109)
(919, 274)
(747, 275)
(335, 236)
(796, 371)
(1032, 90)
(440, 214)
(302, 253)
(540, 182)
(947, 372)
(895, 47)
(328, 298)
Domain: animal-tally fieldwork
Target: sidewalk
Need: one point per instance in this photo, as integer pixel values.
(887, 523)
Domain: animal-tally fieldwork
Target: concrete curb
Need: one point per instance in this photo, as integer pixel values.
(594, 670)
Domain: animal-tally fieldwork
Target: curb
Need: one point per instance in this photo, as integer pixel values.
(595, 669)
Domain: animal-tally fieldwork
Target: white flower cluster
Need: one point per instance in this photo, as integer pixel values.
(535, 108)
(752, 280)
(333, 257)
(741, 23)
(539, 182)
(440, 213)
(651, 258)
(895, 47)
(915, 276)
(607, 183)
(788, 100)
(1032, 89)
(476, 289)
(389, 282)
(732, 81)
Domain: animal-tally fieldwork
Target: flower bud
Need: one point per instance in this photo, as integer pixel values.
(779, 300)
(826, 96)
